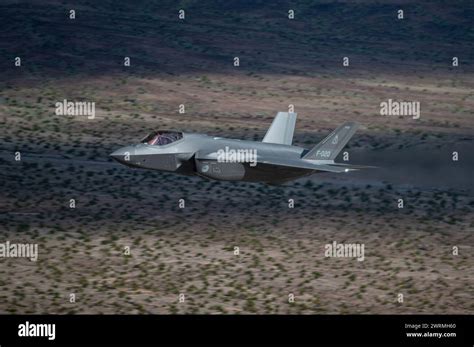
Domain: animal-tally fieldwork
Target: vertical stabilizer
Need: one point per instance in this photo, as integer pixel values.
(329, 148)
(282, 129)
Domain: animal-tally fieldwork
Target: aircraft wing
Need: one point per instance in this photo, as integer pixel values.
(305, 164)
(293, 163)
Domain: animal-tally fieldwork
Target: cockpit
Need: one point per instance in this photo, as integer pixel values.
(162, 138)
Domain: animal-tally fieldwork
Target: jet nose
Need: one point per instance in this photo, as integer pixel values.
(123, 155)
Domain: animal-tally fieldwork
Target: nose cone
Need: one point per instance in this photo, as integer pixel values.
(123, 155)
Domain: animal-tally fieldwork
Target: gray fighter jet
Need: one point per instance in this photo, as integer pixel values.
(272, 161)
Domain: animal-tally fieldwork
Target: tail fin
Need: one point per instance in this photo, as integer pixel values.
(282, 129)
(329, 148)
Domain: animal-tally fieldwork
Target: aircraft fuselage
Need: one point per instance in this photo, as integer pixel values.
(273, 160)
(217, 158)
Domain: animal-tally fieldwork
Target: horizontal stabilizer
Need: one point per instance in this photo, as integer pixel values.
(282, 129)
(354, 167)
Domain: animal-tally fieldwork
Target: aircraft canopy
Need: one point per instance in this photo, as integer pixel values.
(162, 138)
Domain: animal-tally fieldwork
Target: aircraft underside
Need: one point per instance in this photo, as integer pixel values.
(223, 171)
(245, 172)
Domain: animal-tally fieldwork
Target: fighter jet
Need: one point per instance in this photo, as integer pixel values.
(273, 161)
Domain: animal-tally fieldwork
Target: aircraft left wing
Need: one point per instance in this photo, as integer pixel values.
(294, 163)
(305, 164)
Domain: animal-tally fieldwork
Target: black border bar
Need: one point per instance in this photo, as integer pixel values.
(241, 329)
